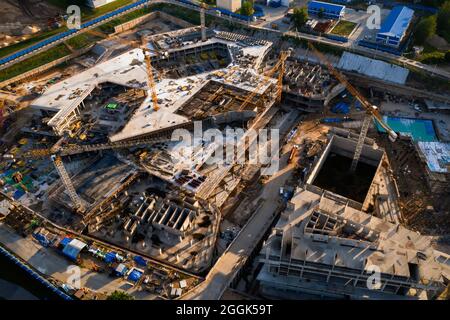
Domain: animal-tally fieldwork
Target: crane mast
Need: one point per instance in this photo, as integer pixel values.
(280, 65)
(151, 80)
(203, 7)
(67, 182)
(147, 60)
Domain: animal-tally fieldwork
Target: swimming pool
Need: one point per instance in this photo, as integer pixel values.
(418, 129)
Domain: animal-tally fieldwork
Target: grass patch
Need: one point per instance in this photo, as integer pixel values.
(6, 51)
(109, 26)
(433, 84)
(343, 28)
(81, 41)
(34, 62)
(86, 14)
(431, 55)
(188, 15)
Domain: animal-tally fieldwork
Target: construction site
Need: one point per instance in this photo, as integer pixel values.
(100, 157)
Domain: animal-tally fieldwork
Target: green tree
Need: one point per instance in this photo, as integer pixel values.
(425, 29)
(300, 16)
(321, 13)
(443, 21)
(247, 8)
(447, 56)
(119, 295)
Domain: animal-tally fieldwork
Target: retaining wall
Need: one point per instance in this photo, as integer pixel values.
(150, 16)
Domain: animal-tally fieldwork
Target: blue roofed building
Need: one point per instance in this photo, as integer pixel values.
(395, 27)
(327, 10)
(73, 249)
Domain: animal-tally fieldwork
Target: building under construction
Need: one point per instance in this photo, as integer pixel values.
(128, 182)
(331, 238)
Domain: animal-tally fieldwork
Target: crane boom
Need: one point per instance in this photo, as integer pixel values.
(354, 92)
(280, 64)
(151, 80)
(371, 110)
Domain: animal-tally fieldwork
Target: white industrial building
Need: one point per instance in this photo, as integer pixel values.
(231, 5)
(98, 3)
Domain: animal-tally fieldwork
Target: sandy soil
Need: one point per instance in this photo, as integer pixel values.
(11, 12)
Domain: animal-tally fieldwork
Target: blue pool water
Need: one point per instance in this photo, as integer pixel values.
(418, 129)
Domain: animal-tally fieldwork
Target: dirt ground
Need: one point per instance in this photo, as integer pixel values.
(39, 11)
(439, 43)
(422, 210)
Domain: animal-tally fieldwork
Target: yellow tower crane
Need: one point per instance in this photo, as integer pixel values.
(148, 62)
(371, 110)
(280, 65)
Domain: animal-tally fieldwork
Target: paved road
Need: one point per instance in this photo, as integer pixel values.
(52, 264)
(355, 48)
(372, 53)
(226, 268)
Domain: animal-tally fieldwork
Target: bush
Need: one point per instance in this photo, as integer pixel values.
(119, 295)
(447, 56)
(247, 8)
(300, 16)
(425, 29)
(443, 20)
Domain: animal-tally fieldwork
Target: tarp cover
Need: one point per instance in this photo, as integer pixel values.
(73, 248)
(110, 257)
(140, 261)
(373, 68)
(64, 242)
(134, 275)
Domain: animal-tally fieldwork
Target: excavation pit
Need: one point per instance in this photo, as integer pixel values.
(332, 171)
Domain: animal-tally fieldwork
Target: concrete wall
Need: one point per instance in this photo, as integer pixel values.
(316, 169)
(346, 147)
(150, 16)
